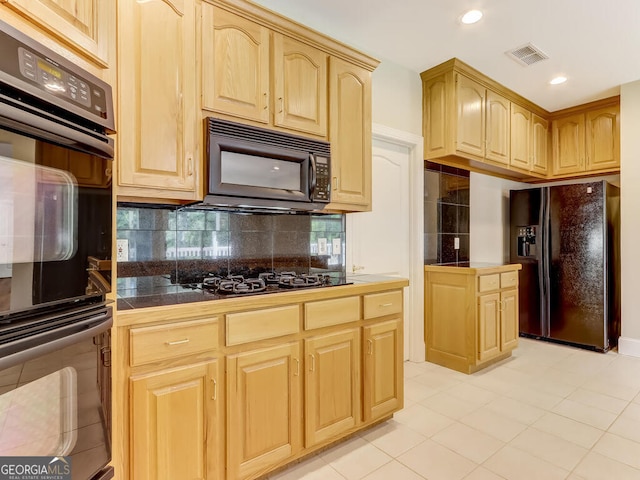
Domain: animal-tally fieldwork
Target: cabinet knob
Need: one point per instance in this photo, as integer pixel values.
(369, 347)
(281, 104)
(215, 389)
(266, 100)
(177, 342)
(312, 368)
(336, 183)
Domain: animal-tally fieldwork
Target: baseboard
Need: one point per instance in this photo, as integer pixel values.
(629, 346)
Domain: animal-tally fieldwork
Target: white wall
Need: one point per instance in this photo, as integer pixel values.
(397, 98)
(489, 218)
(630, 217)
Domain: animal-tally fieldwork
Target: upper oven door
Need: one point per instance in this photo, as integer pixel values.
(55, 221)
(240, 168)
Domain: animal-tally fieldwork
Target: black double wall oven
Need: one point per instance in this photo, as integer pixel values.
(55, 259)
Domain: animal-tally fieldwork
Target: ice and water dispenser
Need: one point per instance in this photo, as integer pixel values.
(527, 241)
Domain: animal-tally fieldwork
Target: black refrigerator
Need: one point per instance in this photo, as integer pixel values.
(567, 239)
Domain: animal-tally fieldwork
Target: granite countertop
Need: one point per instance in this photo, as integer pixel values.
(473, 266)
(157, 294)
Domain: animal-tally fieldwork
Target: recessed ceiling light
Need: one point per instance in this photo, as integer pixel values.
(558, 80)
(472, 16)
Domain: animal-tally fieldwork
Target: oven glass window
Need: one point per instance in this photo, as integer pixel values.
(254, 171)
(54, 405)
(55, 221)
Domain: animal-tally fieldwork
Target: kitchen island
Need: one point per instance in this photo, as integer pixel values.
(235, 388)
(471, 314)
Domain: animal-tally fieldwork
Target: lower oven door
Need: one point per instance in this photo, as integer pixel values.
(55, 403)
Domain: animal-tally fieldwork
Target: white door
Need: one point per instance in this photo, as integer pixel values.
(388, 240)
(379, 240)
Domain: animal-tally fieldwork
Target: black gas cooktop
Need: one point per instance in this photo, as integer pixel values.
(196, 287)
(265, 283)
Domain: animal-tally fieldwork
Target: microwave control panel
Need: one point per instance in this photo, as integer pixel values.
(322, 192)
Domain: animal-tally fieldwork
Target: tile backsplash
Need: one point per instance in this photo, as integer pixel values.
(446, 214)
(183, 243)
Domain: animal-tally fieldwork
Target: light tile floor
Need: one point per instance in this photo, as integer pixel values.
(549, 412)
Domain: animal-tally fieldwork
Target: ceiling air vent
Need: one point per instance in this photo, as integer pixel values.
(527, 55)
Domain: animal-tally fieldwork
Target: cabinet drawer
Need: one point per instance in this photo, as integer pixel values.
(262, 324)
(331, 312)
(486, 283)
(172, 340)
(380, 304)
(508, 279)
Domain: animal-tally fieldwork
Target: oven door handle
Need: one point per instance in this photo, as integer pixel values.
(104, 474)
(53, 340)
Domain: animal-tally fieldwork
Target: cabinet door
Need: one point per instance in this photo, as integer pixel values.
(265, 409)
(174, 419)
(509, 327)
(471, 116)
(489, 339)
(300, 86)
(350, 134)
(520, 146)
(332, 386)
(235, 65)
(498, 127)
(84, 25)
(158, 129)
(539, 144)
(603, 138)
(437, 138)
(383, 379)
(568, 144)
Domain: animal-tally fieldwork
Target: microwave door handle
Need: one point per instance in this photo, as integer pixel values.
(312, 168)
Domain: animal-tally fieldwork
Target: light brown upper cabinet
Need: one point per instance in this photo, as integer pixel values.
(529, 141)
(568, 145)
(498, 126)
(236, 65)
(472, 122)
(350, 135)
(520, 156)
(159, 132)
(466, 123)
(86, 26)
(300, 86)
(587, 141)
(539, 144)
(288, 90)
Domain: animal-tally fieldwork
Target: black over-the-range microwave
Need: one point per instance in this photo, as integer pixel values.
(256, 168)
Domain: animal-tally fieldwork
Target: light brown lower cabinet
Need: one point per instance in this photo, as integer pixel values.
(234, 395)
(382, 365)
(332, 385)
(175, 425)
(264, 390)
(498, 323)
(471, 315)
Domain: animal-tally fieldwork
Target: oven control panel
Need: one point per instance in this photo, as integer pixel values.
(52, 81)
(58, 81)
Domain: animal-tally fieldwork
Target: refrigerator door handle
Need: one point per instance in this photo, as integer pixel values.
(546, 267)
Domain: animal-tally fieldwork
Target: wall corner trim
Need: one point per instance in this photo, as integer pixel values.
(629, 346)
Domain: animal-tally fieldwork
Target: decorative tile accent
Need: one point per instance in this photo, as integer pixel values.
(178, 244)
(446, 213)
